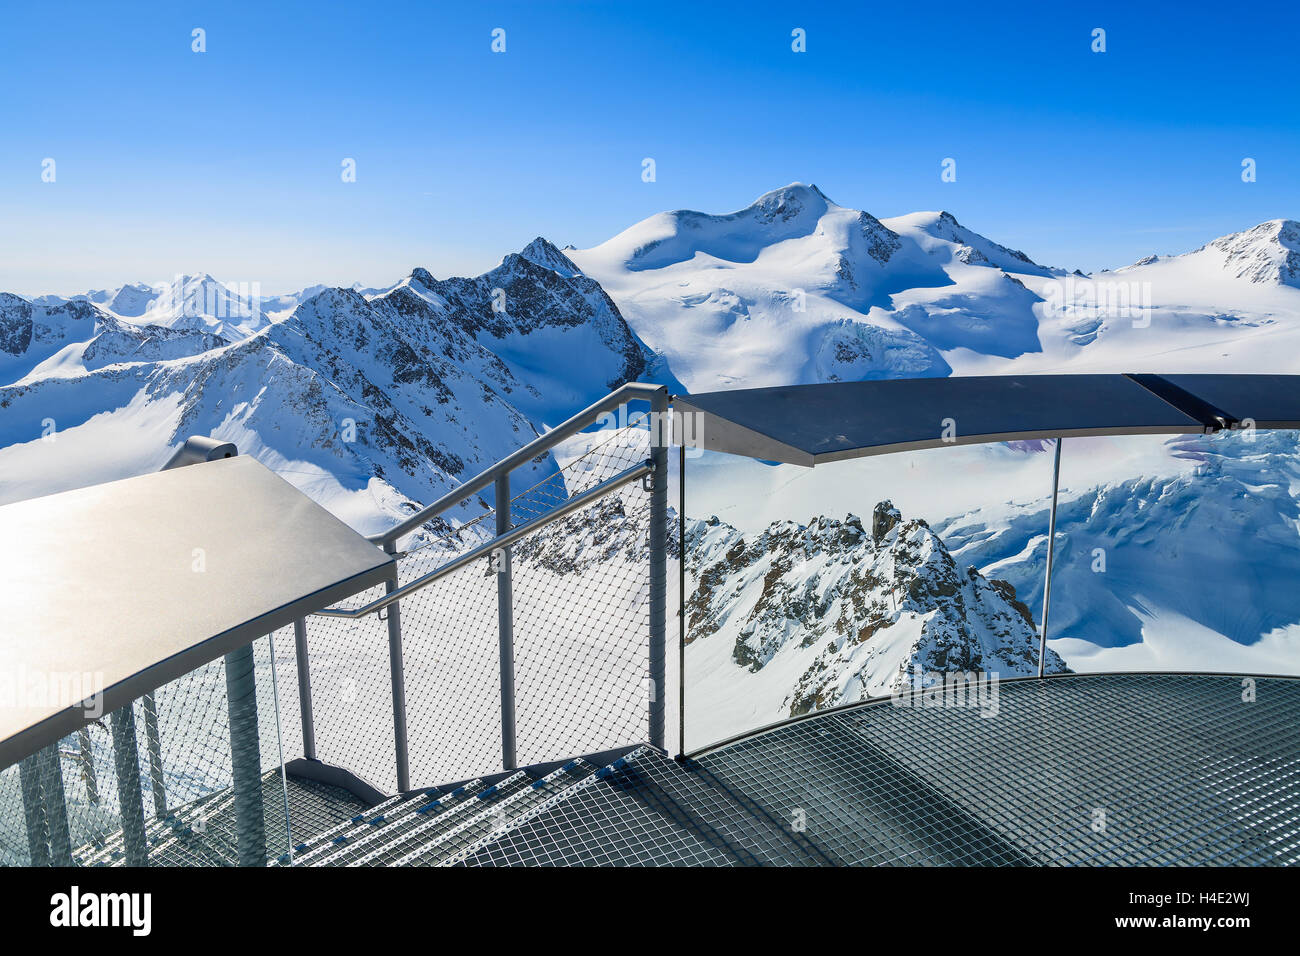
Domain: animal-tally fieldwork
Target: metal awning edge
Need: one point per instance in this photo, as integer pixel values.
(716, 432)
(72, 718)
(726, 435)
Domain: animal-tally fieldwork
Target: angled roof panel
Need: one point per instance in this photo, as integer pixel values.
(811, 424)
(1270, 401)
(124, 586)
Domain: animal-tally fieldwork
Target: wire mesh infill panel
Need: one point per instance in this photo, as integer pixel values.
(452, 664)
(148, 783)
(352, 693)
(581, 627)
(578, 600)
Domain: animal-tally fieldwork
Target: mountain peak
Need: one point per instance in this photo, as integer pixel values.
(796, 189)
(973, 248)
(788, 202)
(1268, 253)
(542, 252)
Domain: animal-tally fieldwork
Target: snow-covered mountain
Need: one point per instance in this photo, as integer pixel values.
(555, 330)
(1187, 565)
(795, 288)
(374, 400)
(371, 404)
(1269, 254)
(193, 302)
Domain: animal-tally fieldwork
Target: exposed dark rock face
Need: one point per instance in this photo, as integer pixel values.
(854, 613)
(883, 519)
(15, 324)
(531, 291)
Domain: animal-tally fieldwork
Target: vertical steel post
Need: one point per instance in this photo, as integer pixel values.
(658, 561)
(681, 594)
(1051, 550)
(304, 689)
(396, 669)
(246, 757)
(126, 759)
(153, 746)
(88, 765)
(56, 806)
(38, 841)
(505, 626)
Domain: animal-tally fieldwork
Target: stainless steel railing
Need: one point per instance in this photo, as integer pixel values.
(654, 470)
(503, 540)
(656, 395)
(46, 811)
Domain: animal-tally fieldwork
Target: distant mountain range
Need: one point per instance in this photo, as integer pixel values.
(370, 401)
(375, 400)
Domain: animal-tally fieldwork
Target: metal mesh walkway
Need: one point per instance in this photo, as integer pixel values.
(204, 833)
(1124, 769)
(1080, 770)
(1092, 770)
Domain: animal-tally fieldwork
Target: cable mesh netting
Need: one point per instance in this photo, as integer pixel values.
(452, 666)
(352, 693)
(580, 609)
(167, 757)
(580, 606)
(581, 629)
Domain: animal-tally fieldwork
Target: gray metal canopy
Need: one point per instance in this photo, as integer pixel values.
(812, 424)
(127, 585)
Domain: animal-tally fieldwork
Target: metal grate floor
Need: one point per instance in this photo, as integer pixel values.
(204, 833)
(1081, 770)
(1133, 769)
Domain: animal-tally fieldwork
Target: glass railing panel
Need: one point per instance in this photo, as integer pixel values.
(1179, 554)
(813, 588)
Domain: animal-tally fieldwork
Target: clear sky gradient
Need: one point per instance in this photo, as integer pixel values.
(229, 161)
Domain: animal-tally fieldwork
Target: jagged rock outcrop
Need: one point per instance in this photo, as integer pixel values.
(883, 519)
(849, 613)
(1268, 253)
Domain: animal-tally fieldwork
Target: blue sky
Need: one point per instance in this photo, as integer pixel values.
(229, 161)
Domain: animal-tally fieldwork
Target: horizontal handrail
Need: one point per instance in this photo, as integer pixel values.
(500, 541)
(630, 391)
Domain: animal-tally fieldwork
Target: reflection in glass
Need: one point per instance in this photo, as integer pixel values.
(1178, 554)
(814, 588)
